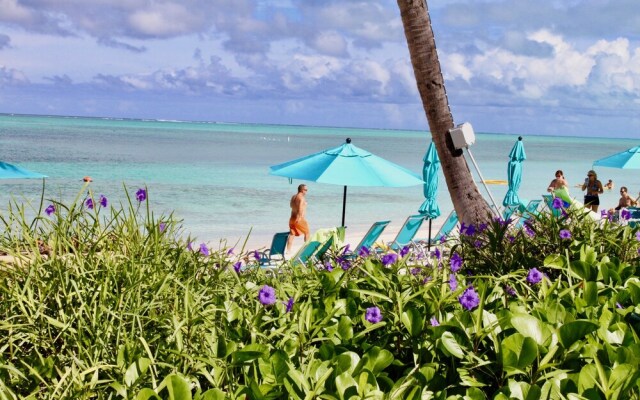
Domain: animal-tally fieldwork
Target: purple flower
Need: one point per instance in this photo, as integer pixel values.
(638, 236)
(328, 266)
(344, 263)
(89, 203)
(404, 251)
(453, 283)
(534, 276)
(483, 227)
(426, 280)
(373, 315)
(346, 249)
(434, 321)
(511, 238)
(471, 230)
(141, 195)
(51, 209)
(455, 262)
(162, 226)
(557, 203)
(364, 252)
(477, 244)
(469, 298)
(289, 304)
(619, 305)
(204, 250)
(415, 271)
(389, 259)
(230, 251)
(625, 214)
(510, 291)
(267, 295)
(237, 266)
(565, 234)
(603, 213)
(528, 230)
(256, 255)
(103, 201)
(438, 255)
(190, 246)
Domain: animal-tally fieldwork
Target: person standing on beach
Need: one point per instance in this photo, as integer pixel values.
(559, 187)
(594, 188)
(297, 223)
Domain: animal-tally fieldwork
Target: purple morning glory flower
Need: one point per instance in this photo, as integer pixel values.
(415, 271)
(453, 283)
(565, 234)
(162, 226)
(346, 249)
(89, 203)
(469, 298)
(204, 250)
(289, 304)
(437, 253)
(230, 251)
(256, 255)
(103, 201)
(455, 262)
(471, 230)
(510, 291)
(557, 203)
(528, 230)
(373, 315)
(328, 266)
(364, 252)
(237, 266)
(477, 244)
(389, 259)
(141, 195)
(190, 246)
(534, 276)
(511, 238)
(50, 210)
(267, 295)
(603, 213)
(344, 263)
(483, 227)
(404, 251)
(434, 321)
(625, 214)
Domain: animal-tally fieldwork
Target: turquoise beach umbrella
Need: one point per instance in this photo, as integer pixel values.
(347, 165)
(628, 159)
(514, 173)
(10, 171)
(429, 207)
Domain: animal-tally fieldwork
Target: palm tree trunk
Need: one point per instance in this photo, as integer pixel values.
(467, 200)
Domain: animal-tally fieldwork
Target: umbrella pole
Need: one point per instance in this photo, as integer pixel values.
(344, 203)
(429, 241)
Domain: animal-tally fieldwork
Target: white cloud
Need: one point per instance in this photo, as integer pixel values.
(330, 43)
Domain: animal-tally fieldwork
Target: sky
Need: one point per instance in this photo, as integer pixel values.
(538, 67)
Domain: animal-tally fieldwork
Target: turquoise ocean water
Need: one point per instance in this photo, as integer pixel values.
(215, 176)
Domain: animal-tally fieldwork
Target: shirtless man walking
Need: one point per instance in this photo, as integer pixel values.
(297, 223)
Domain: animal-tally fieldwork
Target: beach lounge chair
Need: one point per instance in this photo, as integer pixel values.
(306, 253)
(508, 211)
(369, 239)
(407, 232)
(447, 227)
(276, 251)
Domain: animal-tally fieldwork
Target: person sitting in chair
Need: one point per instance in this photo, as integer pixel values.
(625, 200)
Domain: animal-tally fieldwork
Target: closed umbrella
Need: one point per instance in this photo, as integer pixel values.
(347, 165)
(628, 159)
(514, 174)
(429, 207)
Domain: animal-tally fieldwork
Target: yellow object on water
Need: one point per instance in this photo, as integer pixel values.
(495, 181)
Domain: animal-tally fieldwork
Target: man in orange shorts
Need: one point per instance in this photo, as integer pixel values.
(297, 224)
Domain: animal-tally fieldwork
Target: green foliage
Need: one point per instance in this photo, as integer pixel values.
(114, 303)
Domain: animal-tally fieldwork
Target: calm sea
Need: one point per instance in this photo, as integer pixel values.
(215, 176)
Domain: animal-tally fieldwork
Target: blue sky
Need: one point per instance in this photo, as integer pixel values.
(565, 67)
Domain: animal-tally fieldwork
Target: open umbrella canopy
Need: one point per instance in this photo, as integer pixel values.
(514, 174)
(628, 159)
(429, 207)
(347, 165)
(10, 171)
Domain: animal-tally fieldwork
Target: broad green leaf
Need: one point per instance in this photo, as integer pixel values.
(250, 352)
(583, 270)
(213, 394)
(146, 394)
(296, 384)
(345, 328)
(177, 387)
(590, 294)
(572, 331)
(413, 321)
(233, 310)
(532, 327)
(518, 351)
(475, 394)
(135, 370)
(588, 377)
(375, 360)
(622, 376)
(346, 385)
(524, 391)
(347, 362)
(451, 345)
